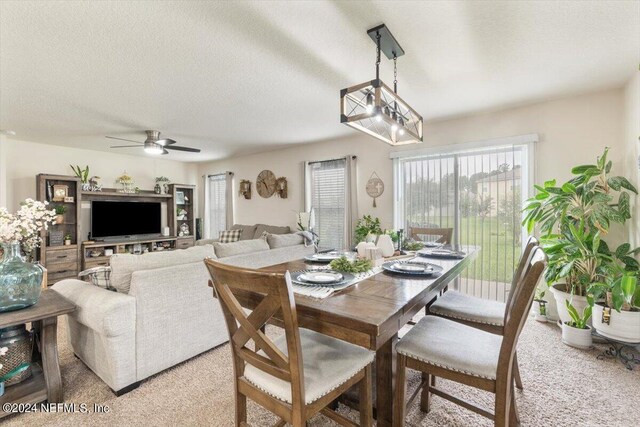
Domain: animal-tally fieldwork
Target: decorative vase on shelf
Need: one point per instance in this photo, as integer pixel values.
(165, 188)
(20, 281)
(157, 189)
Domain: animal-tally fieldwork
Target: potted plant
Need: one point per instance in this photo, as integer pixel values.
(67, 239)
(367, 229)
(541, 310)
(60, 210)
(618, 316)
(83, 174)
(573, 218)
(576, 332)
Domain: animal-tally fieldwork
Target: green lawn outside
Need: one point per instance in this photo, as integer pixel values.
(498, 255)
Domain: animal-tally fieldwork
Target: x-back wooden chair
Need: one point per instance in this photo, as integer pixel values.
(480, 313)
(296, 375)
(445, 235)
(457, 352)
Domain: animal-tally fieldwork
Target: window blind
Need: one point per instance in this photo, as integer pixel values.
(479, 193)
(217, 203)
(328, 193)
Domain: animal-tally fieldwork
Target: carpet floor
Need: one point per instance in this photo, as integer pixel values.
(563, 387)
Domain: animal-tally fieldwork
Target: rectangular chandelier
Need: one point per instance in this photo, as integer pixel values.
(374, 108)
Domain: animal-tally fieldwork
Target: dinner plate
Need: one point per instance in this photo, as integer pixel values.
(302, 278)
(424, 269)
(440, 253)
(328, 257)
(320, 277)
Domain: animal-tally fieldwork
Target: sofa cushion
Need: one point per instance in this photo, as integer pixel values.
(248, 231)
(271, 229)
(240, 247)
(284, 240)
(270, 257)
(122, 265)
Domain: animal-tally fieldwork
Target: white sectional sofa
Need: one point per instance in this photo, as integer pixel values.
(163, 313)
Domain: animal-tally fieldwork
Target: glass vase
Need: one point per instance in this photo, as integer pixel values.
(20, 281)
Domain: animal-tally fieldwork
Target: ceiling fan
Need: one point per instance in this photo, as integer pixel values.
(154, 145)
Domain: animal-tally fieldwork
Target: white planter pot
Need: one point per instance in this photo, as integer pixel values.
(541, 318)
(578, 338)
(623, 326)
(371, 238)
(559, 294)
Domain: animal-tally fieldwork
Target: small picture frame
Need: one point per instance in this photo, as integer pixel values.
(60, 192)
(69, 199)
(180, 198)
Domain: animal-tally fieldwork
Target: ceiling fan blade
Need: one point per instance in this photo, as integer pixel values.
(178, 148)
(165, 142)
(125, 146)
(122, 139)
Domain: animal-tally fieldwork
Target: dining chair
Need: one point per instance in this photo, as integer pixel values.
(440, 347)
(444, 235)
(482, 313)
(296, 375)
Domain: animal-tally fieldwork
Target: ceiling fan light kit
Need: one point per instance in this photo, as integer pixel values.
(154, 145)
(374, 108)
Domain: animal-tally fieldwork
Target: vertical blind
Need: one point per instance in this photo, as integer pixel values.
(327, 190)
(479, 194)
(217, 204)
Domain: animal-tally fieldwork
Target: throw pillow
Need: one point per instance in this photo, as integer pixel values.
(98, 276)
(240, 247)
(229, 236)
(284, 240)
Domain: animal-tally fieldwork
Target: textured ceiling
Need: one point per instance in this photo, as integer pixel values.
(238, 77)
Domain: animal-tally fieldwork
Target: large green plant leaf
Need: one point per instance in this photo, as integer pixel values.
(578, 170)
(628, 285)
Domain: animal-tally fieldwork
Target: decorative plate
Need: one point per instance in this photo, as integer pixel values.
(325, 258)
(440, 253)
(324, 278)
(412, 268)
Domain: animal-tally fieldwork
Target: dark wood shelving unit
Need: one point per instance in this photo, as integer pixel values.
(61, 262)
(188, 192)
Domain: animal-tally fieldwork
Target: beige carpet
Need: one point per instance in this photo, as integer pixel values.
(563, 387)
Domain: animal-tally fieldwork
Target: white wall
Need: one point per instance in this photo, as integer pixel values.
(21, 161)
(572, 131)
(632, 149)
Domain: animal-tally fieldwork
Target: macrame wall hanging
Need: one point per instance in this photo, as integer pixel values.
(375, 187)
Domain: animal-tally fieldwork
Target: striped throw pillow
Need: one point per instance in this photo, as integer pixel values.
(230, 236)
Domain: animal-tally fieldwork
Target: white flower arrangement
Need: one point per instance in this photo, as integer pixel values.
(25, 225)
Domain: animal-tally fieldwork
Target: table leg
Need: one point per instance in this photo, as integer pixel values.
(385, 381)
(50, 366)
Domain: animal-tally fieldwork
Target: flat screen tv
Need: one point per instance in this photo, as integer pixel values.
(111, 219)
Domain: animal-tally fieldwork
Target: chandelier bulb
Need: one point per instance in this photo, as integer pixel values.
(369, 107)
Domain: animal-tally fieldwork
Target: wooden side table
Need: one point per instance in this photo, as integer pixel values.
(46, 382)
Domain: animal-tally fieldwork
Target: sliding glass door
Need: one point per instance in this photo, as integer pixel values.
(479, 194)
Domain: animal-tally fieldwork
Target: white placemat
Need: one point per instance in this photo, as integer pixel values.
(322, 292)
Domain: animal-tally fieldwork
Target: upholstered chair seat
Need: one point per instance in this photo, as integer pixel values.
(452, 346)
(327, 362)
(460, 306)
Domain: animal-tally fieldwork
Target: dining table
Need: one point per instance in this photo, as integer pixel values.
(371, 313)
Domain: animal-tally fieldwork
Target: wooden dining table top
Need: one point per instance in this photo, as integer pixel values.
(372, 311)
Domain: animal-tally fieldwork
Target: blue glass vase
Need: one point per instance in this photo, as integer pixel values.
(20, 281)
